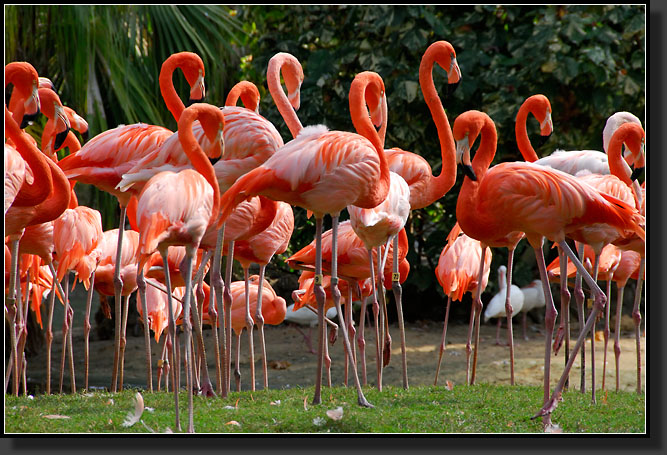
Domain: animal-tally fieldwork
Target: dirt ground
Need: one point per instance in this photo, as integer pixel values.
(292, 364)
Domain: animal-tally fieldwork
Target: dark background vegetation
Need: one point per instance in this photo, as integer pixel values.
(588, 60)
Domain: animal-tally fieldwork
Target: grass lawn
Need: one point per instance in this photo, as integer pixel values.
(464, 409)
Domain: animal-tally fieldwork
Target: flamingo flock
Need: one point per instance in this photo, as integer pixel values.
(225, 184)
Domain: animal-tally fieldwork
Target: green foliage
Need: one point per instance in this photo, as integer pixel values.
(464, 409)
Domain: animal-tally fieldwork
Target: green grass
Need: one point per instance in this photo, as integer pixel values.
(477, 409)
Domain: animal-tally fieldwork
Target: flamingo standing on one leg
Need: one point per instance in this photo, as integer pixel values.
(539, 202)
(176, 209)
(320, 163)
(457, 274)
(106, 157)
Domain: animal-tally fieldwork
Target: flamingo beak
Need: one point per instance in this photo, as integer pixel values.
(31, 108)
(453, 77)
(463, 158)
(295, 97)
(62, 127)
(197, 91)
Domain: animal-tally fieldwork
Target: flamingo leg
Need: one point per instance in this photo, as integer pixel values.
(49, 333)
(581, 310)
(123, 341)
(524, 324)
(66, 321)
(385, 338)
(595, 277)
(335, 292)
(249, 324)
(320, 297)
(376, 319)
(499, 325)
(598, 305)
(477, 304)
(637, 318)
(259, 319)
(237, 366)
(205, 386)
(617, 334)
(443, 345)
(471, 324)
(606, 329)
(118, 288)
(217, 294)
(327, 357)
(508, 311)
(11, 310)
(86, 331)
(227, 299)
(189, 255)
(361, 342)
(564, 327)
(172, 334)
(398, 293)
(141, 288)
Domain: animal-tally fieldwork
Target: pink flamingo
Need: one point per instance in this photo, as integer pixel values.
(104, 159)
(260, 249)
(176, 209)
(375, 227)
(456, 272)
(540, 202)
(317, 164)
(354, 267)
(76, 234)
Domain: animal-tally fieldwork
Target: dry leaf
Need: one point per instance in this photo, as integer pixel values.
(133, 417)
(335, 414)
(279, 365)
(236, 405)
(450, 385)
(599, 335)
(233, 422)
(275, 403)
(55, 416)
(305, 408)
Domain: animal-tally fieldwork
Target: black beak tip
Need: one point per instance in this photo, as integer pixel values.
(214, 160)
(542, 140)
(84, 136)
(451, 88)
(28, 119)
(192, 101)
(636, 173)
(468, 172)
(60, 139)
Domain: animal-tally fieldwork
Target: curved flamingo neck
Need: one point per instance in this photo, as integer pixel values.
(59, 198)
(247, 92)
(523, 142)
(290, 67)
(38, 191)
(193, 150)
(171, 98)
(447, 177)
(626, 133)
(23, 76)
(364, 127)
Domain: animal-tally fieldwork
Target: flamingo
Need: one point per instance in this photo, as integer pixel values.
(533, 297)
(496, 306)
(57, 127)
(273, 310)
(106, 157)
(317, 164)
(354, 268)
(260, 249)
(375, 227)
(538, 202)
(40, 201)
(24, 104)
(76, 234)
(457, 274)
(571, 162)
(175, 209)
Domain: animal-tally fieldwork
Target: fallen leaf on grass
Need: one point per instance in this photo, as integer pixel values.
(305, 408)
(55, 416)
(279, 364)
(275, 403)
(450, 385)
(335, 414)
(233, 422)
(133, 417)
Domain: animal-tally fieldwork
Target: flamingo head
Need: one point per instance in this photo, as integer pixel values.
(193, 70)
(466, 129)
(54, 110)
